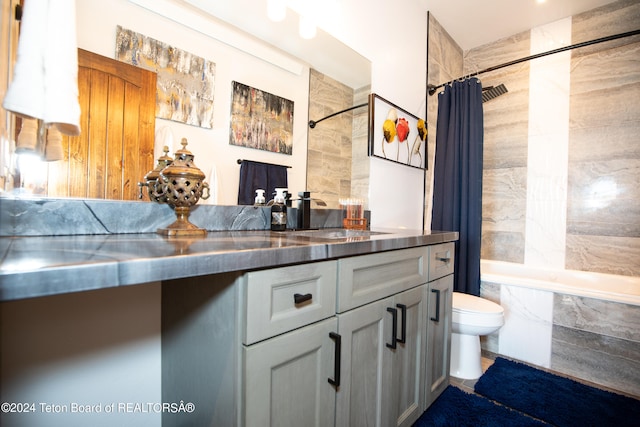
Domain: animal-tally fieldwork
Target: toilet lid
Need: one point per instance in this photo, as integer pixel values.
(472, 304)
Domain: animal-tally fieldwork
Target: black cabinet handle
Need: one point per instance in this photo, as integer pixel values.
(299, 298)
(443, 256)
(437, 318)
(403, 316)
(394, 327)
(336, 359)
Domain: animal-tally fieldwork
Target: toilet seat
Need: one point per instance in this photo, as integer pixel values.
(470, 304)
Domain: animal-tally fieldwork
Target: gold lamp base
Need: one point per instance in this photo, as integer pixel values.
(182, 226)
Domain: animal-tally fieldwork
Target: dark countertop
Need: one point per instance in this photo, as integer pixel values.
(34, 266)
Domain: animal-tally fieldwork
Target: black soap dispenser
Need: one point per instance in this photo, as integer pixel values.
(279, 211)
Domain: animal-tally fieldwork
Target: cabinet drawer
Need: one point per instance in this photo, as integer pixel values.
(270, 298)
(441, 260)
(368, 278)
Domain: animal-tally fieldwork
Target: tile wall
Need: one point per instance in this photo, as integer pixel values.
(337, 164)
(560, 186)
(562, 159)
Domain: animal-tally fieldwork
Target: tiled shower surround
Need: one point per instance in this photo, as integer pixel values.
(560, 185)
(562, 159)
(337, 147)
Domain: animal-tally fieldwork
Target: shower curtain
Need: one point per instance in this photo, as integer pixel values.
(457, 186)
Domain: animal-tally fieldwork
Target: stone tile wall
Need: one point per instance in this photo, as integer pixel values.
(583, 213)
(575, 205)
(603, 215)
(330, 143)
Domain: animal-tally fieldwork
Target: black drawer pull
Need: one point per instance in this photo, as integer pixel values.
(299, 298)
(403, 317)
(443, 256)
(336, 359)
(437, 316)
(394, 327)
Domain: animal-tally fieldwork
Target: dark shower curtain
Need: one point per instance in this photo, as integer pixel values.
(457, 186)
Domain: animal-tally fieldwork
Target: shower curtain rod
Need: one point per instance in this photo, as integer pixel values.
(432, 88)
(313, 123)
(240, 161)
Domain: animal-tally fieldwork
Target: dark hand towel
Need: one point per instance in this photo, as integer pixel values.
(255, 175)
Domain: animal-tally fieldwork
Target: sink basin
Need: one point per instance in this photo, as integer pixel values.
(334, 234)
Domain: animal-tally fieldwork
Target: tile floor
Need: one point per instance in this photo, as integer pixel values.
(467, 385)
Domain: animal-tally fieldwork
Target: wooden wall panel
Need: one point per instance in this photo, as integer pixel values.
(115, 148)
(78, 145)
(132, 137)
(98, 107)
(115, 144)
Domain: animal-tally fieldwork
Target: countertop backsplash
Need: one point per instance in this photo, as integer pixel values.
(51, 217)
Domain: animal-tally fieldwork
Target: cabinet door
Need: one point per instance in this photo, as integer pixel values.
(438, 320)
(115, 147)
(365, 333)
(286, 378)
(403, 379)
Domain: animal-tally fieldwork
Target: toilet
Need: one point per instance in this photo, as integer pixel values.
(472, 317)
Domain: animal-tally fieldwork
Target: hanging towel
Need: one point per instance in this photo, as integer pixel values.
(45, 83)
(164, 137)
(214, 187)
(255, 175)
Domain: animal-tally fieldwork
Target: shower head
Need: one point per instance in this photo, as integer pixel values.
(490, 92)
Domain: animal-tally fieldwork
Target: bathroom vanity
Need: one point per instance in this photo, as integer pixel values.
(316, 327)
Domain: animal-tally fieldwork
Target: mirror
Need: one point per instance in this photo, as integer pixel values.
(235, 28)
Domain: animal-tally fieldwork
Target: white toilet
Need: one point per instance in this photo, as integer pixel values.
(472, 316)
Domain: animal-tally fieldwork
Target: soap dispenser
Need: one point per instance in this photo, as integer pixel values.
(279, 211)
(259, 200)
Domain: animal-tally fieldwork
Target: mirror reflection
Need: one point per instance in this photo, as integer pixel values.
(321, 79)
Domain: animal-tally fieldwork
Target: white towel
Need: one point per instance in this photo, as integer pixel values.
(214, 188)
(164, 136)
(45, 82)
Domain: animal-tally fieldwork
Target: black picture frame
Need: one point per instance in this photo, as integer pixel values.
(395, 134)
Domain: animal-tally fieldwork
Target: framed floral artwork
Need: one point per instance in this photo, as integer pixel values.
(395, 134)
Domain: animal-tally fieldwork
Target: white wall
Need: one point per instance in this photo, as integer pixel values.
(96, 23)
(393, 36)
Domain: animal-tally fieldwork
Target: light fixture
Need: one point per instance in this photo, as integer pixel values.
(277, 10)
(307, 27)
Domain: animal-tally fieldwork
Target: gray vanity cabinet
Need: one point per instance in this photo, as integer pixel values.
(288, 352)
(286, 378)
(344, 342)
(382, 339)
(438, 293)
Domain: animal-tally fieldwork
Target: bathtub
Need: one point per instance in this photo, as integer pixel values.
(609, 287)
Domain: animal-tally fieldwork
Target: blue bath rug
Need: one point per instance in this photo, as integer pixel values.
(555, 399)
(455, 408)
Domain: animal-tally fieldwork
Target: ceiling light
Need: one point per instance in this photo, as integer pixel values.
(307, 27)
(277, 10)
